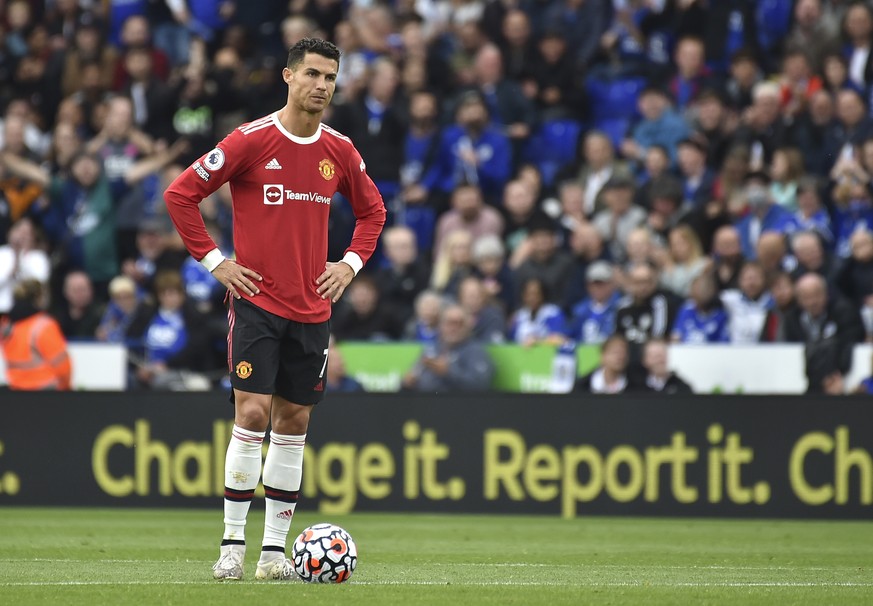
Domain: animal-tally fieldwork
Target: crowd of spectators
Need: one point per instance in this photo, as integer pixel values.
(555, 170)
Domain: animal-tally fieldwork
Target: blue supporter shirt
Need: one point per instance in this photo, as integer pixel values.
(592, 322)
(548, 320)
(494, 154)
(857, 217)
(819, 223)
(166, 336)
(693, 326)
(200, 286)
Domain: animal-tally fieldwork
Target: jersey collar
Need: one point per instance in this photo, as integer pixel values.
(302, 140)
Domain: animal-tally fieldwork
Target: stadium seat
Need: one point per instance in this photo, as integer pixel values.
(613, 102)
(552, 146)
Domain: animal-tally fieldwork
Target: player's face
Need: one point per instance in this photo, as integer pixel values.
(311, 83)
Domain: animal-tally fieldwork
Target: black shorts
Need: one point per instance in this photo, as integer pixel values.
(273, 355)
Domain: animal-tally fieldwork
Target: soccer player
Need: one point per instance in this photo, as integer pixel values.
(283, 171)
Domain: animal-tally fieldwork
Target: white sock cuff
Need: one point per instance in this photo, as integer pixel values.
(247, 435)
(289, 442)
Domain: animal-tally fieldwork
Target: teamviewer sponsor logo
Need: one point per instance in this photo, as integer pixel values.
(273, 193)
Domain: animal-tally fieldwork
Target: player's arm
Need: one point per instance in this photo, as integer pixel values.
(183, 198)
(369, 219)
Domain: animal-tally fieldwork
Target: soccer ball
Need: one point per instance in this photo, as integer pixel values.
(324, 553)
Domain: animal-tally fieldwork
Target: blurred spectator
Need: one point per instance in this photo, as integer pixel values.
(517, 45)
(611, 376)
(727, 257)
(581, 23)
(593, 319)
(811, 130)
(682, 261)
(744, 75)
(19, 190)
(33, 346)
(835, 69)
(854, 212)
(87, 47)
(468, 212)
(797, 81)
(423, 326)
(171, 337)
(813, 30)
(471, 150)
(456, 363)
(655, 170)
(785, 171)
(136, 32)
(586, 246)
(337, 380)
(171, 32)
(571, 197)
(858, 31)
(714, 120)
(645, 312)
(537, 321)
(508, 107)
(692, 74)
(854, 278)
(660, 125)
(658, 377)
(852, 127)
(123, 302)
(78, 313)
(452, 262)
(811, 256)
(697, 177)
(80, 218)
(762, 128)
(782, 290)
(405, 274)
(21, 258)
(829, 328)
(419, 155)
(702, 318)
(153, 101)
(375, 123)
(489, 260)
(620, 216)
(364, 317)
(553, 81)
(665, 207)
(772, 253)
(596, 166)
(811, 215)
(544, 260)
(748, 306)
(764, 214)
(521, 212)
(152, 254)
(488, 319)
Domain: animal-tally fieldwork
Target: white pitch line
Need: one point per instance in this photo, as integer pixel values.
(466, 564)
(462, 584)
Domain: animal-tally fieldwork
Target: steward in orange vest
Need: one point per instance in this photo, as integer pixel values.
(34, 347)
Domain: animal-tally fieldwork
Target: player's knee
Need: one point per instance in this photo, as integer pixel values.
(252, 413)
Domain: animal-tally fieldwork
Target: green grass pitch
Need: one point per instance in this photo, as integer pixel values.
(140, 557)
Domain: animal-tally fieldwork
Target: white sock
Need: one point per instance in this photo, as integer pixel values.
(242, 470)
(283, 470)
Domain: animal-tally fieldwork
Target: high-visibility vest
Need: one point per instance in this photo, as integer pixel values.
(36, 356)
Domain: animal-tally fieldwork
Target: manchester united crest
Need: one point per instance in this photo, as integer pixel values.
(244, 370)
(326, 169)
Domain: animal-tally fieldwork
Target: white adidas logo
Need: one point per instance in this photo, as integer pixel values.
(273, 165)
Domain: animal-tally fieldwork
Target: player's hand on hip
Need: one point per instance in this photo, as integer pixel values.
(237, 278)
(332, 283)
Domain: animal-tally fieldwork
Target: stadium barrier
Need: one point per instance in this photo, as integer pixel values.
(489, 453)
(381, 366)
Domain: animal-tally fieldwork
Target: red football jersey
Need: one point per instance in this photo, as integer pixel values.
(281, 186)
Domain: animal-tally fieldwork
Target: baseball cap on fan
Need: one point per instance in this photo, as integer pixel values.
(599, 271)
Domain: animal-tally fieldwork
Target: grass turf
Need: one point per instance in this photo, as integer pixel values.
(141, 557)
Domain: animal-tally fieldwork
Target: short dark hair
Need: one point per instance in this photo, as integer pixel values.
(312, 45)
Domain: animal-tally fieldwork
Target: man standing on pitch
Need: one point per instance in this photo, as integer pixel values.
(283, 171)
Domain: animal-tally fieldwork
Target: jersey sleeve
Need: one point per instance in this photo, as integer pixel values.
(198, 181)
(367, 205)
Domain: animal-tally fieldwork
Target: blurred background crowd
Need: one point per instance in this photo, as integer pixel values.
(626, 172)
